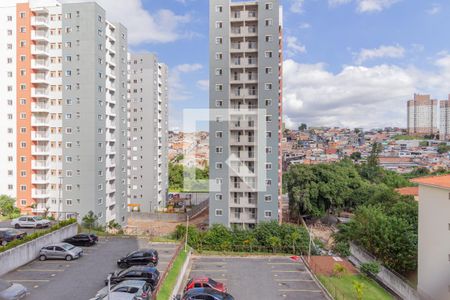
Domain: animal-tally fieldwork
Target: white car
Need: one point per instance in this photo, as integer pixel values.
(30, 221)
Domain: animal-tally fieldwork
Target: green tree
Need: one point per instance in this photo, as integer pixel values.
(274, 242)
(7, 206)
(443, 148)
(359, 289)
(355, 156)
(302, 127)
(90, 220)
(371, 169)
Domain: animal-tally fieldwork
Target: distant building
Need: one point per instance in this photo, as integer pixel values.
(444, 132)
(148, 132)
(434, 238)
(422, 115)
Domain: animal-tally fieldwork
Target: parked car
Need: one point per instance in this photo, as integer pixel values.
(146, 257)
(145, 273)
(119, 296)
(9, 234)
(12, 291)
(205, 282)
(81, 240)
(206, 294)
(30, 222)
(141, 289)
(60, 251)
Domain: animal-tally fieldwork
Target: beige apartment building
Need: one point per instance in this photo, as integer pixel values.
(422, 115)
(444, 131)
(434, 237)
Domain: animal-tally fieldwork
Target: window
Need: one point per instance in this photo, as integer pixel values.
(219, 40)
(218, 165)
(100, 187)
(268, 86)
(9, 18)
(219, 212)
(22, 14)
(268, 213)
(69, 202)
(268, 102)
(268, 54)
(268, 166)
(23, 187)
(268, 198)
(268, 182)
(219, 181)
(268, 150)
(219, 72)
(219, 8)
(219, 150)
(269, 22)
(219, 25)
(219, 196)
(219, 87)
(219, 134)
(219, 103)
(23, 202)
(269, 5)
(269, 38)
(268, 118)
(219, 56)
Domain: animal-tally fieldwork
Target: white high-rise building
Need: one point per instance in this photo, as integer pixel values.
(422, 115)
(148, 133)
(64, 109)
(444, 131)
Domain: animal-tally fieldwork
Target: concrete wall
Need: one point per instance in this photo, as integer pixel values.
(388, 278)
(23, 254)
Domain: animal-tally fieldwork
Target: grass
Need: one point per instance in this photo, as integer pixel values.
(169, 282)
(342, 287)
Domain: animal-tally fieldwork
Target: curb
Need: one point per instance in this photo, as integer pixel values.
(313, 276)
(181, 276)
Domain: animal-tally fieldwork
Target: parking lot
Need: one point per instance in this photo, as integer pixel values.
(256, 278)
(82, 278)
(7, 224)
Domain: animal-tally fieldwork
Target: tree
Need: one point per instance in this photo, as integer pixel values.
(371, 169)
(90, 220)
(302, 127)
(355, 156)
(359, 289)
(443, 148)
(7, 206)
(274, 242)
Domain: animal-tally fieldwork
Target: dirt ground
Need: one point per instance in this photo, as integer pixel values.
(324, 265)
(323, 233)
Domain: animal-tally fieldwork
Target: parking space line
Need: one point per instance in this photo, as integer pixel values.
(28, 280)
(284, 264)
(39, 270)
(302, 291)
(294, 280)
(287, 271)
(211, 262)
(209, 271)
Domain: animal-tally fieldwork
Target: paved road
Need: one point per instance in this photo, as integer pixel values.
(81, 279)
(268, 278)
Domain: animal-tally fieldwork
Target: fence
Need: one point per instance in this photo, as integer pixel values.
(169, 267)
(198, 209)
(388, 278)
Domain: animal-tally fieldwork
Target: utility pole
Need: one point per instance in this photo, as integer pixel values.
(187, 228)
(60, 198)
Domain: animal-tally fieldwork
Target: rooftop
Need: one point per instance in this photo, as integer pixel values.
(408, 191)
(436, 181)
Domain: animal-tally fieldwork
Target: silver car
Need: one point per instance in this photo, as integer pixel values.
(30, 221)
(140, 289)
(12, 291)
(60, 251)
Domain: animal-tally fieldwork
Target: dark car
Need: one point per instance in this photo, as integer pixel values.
(144, 273)
(9, 234)
(206, 294)
(80, 240)
(147, 257)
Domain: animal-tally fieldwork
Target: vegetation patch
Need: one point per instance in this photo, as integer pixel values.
(171, 279)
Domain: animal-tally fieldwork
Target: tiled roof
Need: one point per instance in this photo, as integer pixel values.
(408, 191)
(438, 181)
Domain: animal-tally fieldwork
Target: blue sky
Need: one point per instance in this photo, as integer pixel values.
(347, 62)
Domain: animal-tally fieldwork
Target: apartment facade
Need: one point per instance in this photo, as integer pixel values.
(65, 109)
(148, 133)
(444, 129)
(422, 115)
(245, 112)
(434, 240)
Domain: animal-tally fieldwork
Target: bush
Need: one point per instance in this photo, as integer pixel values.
(371, 268)
(339, 270)
(342, 248)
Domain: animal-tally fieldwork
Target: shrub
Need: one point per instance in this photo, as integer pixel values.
(342, 248)
(371, 268)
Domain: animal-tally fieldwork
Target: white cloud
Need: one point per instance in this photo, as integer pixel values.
(364, 6)
(434, 9)
(357, 96)
(203, 84)
(381, 52)
(178, 90)
(305, 26)
(294, 46)
(162, 26)
(297, 6)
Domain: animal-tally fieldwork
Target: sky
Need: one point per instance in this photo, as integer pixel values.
(347, 63)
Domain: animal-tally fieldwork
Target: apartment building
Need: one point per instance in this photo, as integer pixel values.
(422, 115)
(148, 133)
(434, 239)
(64, 103)
(245, 112)
(444, 130)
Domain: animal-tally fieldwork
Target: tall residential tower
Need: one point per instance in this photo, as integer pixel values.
(444, 131)
(64, 103)
(422, 115)
(148, 131)
(245, 119)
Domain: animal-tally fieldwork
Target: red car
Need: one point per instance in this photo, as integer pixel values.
(205, 282)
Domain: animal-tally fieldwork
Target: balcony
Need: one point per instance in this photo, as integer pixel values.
(39, 193)
(44, 122)
(40, 179)
(40, 165)
(242, 171)
(40, 150)
(110, 188)
(39, 93)
(40, 64)
(243, 202)
(40, 107)
(242, 187)
(244, 78)
(40, 136)
(39, 21)
(110, 163)
(110, 176)
(39, 78)
(242, 125)
(242, 155)
(40, 35)
(39, 50)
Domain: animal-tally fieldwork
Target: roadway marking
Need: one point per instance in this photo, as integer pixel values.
(207, 271)
(39, 270)
(294, 280)
(287, 271)
(36, 286)
(295, 291)
(51, 262)
(211, 263)
(28, 280)
(280, 263)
